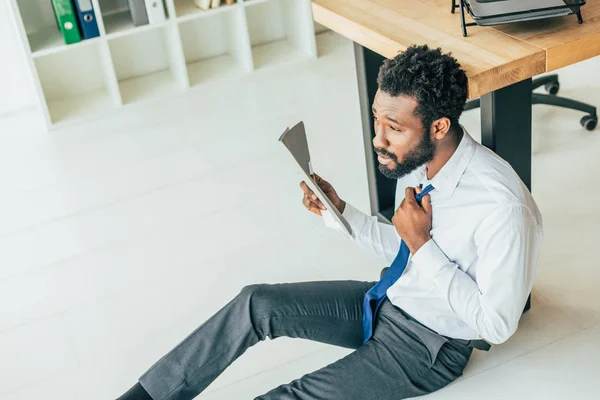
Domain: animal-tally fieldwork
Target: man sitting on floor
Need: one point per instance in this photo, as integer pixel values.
(463, 250)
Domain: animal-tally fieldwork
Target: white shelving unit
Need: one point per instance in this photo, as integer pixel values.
(129, 64)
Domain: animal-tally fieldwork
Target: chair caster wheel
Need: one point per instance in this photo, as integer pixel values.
(589, 122)
(552, 88)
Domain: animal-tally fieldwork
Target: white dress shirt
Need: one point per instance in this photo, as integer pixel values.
(472, 279)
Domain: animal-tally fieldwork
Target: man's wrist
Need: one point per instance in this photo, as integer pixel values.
(417, 243)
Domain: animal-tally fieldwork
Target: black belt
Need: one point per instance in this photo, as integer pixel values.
(476, 344)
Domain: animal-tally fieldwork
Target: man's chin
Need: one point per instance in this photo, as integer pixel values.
(388, 170)
(392, 170)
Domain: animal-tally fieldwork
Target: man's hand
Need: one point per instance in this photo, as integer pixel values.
(313, 204)
(413, 221)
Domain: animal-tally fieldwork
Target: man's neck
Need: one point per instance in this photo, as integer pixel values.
(443, 153)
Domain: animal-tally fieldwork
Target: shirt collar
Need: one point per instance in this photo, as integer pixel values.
(446, 180)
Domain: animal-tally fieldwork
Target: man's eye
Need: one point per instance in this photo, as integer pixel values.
(394, 129)
(374, 117)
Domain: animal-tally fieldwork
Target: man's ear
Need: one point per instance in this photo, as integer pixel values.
(440, 127)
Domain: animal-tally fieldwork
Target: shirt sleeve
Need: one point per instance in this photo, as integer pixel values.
(378, 237)
(508, 243)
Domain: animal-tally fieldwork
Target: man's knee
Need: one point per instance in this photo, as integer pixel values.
(260, 298)
(255, 290)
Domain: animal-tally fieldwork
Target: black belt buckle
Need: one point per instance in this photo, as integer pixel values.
(477, 344)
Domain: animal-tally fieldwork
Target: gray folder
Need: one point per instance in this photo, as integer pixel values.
(138, 12)
(294, 140)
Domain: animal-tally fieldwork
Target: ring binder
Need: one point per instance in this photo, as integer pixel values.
(67, 22)
(87, 18)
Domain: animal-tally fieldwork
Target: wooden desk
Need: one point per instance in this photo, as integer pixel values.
(499, 62)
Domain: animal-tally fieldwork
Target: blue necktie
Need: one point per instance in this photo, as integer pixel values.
(374, 297)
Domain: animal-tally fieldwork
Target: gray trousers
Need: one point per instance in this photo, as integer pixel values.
(402, 359)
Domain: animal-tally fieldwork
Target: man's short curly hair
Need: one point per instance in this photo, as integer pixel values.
(435, 80)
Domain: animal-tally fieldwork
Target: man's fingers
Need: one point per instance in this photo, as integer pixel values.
(400, 206)
(312, 207)
(317, 204)
(308, 203)
(312, 204)
(313, 197)
(310, 199)
(409, 195)
(306, 189)
(323, 184)
(426, 203)
(309, 193)
(320, 204)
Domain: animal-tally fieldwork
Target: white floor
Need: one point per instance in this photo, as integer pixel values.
(115, 234)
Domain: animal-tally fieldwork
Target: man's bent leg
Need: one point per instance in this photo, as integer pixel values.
(395, 364)
(326, 311)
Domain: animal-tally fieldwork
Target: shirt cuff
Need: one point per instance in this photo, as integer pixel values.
(430, 259)
(356, 219)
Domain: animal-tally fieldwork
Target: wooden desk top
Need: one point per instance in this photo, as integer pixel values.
(493, 57)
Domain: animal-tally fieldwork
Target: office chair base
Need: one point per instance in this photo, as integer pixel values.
(551, 84)
(552, 88)
(589, 122)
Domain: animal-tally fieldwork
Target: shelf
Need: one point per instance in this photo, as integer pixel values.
(130, 64)
(42, 31)
(146, 64)
(250, 3)
(64, 48)
(153, 85)
(213, 69)
(278, 31)
(40, 25)
(81, 106)
(187, 10)
(118, 22)
(273, 53)
(46, 40)
(77, 85)
(216, 46)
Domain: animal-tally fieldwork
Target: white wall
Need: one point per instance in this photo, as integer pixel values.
(16, 90)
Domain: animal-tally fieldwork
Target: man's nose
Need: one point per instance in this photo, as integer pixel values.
(379, 139)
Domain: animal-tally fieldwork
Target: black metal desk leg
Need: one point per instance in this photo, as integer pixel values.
(506, 128)
(382, 190)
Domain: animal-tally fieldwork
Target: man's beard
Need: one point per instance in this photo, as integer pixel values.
(423, 153)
